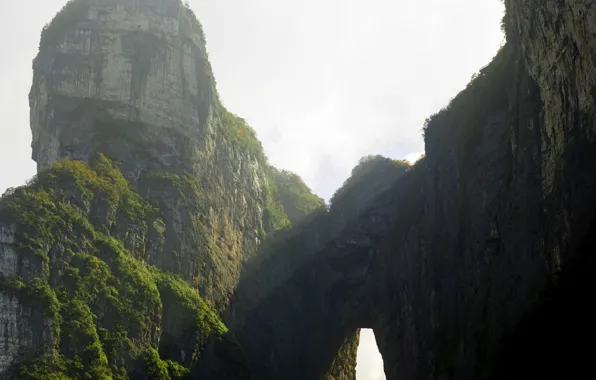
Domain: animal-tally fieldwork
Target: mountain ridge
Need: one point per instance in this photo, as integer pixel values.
(157, 242)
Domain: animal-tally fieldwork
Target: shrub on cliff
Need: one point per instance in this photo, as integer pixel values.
(370, 171)
(294, 195)
(241, 135)
(106, 305)
(463, 117)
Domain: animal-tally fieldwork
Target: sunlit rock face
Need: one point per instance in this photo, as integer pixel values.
(24, 333)
(130, 77)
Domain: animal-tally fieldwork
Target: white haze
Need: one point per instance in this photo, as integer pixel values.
(322, 82)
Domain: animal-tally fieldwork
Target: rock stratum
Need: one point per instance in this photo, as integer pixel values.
(156, 242)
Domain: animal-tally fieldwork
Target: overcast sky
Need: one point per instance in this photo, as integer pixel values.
(323, 82)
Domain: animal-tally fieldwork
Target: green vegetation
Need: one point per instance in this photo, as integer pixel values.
(41, 297)
(295, 197)
(41, 369)
(108, 306)
(274, 215)
(176, 294)
(186, 184)
(187, 321)
(344, 364)
(462, 119)
(241, 135)
(152, 367)
(370, 171)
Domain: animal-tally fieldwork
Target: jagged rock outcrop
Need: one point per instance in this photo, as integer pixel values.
(131, 79)
(445, 263)
(121, 262)
(160, 180)
(79, 303)
(322, 278)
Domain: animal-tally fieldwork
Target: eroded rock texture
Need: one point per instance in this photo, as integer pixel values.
(442, 260)
(182, 187)
(448, 260)
(131, 79)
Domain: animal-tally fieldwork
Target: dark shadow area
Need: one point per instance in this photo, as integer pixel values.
(555, 340)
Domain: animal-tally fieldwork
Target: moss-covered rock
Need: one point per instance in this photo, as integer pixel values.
(293, 194)
(109, 308)
(344, 364)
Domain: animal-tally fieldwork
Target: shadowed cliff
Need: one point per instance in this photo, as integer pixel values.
(118, 258)
(156, 241)
(450, 259)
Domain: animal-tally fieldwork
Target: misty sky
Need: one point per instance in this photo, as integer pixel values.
(322, 82)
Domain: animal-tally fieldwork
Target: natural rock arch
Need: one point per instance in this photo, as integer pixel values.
(328, 278)
(441, 263)
(444, 263)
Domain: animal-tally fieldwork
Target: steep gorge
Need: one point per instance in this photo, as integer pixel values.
(165, 218)
(142, 173)
(446, 262)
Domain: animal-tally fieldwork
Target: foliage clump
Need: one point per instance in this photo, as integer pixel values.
(295, 196)
(343, 366)
(108, 306)
(371, 173)
(241, 135)
(274, 215)
(152, 366)
(188, 322)
(462, 119)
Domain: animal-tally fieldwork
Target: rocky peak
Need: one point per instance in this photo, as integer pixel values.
(128, 78)
(131, 79)
(148, 188)
(155, 213)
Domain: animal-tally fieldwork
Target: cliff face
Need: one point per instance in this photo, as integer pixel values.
(165, 216)
(158, 175)
(447, 262)
(87, 306)
(312, 288)
(131, 79)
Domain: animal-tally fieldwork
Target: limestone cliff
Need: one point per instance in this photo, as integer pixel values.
(149, 199)
(155, 216)
(131, 79)
(310, 288)
(449, 260)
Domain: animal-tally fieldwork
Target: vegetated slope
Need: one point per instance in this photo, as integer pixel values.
(132, 80)
(159, 230)
(442, 259)
(75, 246)
(301, 302)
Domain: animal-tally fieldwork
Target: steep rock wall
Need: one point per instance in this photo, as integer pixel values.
(440, 261)
(78, 303)
(131, 79)
(471, 235)
(300, 302)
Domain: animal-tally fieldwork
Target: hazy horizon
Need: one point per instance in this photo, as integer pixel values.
(322, 83)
